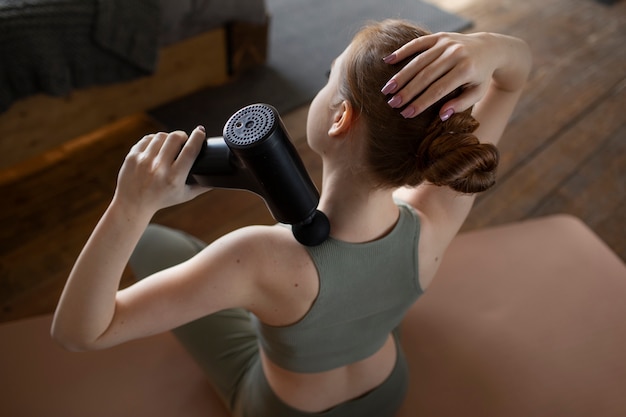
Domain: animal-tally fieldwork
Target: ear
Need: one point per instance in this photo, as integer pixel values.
(343, 119)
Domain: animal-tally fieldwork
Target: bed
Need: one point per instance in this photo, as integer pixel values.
(68, 67)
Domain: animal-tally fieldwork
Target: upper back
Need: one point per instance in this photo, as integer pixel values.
(364, 291)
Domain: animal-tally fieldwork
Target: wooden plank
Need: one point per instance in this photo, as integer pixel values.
(73, 177)
(565, 81)
(489, 15)
(518, 193)
(600, 180)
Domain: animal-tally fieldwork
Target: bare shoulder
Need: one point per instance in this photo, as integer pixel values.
(441, 212)
(285, 278)
(264, 245)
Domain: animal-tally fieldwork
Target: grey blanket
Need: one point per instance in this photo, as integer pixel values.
(55, 46)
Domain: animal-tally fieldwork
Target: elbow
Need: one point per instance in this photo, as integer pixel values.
(69, 340)
(68, 343)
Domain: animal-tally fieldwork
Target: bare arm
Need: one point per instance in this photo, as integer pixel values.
(152, 177)
(231, 272)
(492, 69)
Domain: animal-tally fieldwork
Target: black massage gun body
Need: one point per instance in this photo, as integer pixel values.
(256, 154)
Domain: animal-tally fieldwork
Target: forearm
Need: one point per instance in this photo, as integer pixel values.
(513, 64)
(87, 304)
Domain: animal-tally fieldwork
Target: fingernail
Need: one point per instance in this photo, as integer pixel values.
(390, 87)
(389, 58)
(395, 101)
(201, 128)
(446, 115)
(408, 112)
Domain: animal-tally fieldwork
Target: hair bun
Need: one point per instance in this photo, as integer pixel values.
(452, 156)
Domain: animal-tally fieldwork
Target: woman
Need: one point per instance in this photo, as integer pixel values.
(399, 174)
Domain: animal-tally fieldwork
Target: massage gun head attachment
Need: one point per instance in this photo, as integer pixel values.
(256, 154)
(250, 125)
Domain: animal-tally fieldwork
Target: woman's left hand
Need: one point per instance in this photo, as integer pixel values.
(155, 170)
(152, 177)
(446, 61)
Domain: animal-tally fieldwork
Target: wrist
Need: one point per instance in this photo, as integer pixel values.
(129, 211)
(514, 62)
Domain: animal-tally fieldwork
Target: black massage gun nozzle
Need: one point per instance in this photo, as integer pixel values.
(314, 232)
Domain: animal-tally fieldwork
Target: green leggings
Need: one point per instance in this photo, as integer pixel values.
(225, 345)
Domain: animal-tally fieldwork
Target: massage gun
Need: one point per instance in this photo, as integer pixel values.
(256, 154)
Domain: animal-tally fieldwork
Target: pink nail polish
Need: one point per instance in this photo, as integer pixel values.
(390, 87)
(201, 128)
(389, 58)
(446, 115)
(395, 101)
(408, 112)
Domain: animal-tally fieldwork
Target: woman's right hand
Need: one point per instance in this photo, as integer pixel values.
(155, 170)
(447, 61)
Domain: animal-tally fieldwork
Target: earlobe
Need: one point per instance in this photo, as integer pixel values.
(342, 119)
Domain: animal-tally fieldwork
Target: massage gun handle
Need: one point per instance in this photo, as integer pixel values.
(217, 167)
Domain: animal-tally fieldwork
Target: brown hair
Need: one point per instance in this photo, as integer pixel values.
(409, 151)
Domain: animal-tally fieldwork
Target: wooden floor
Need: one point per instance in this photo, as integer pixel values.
(565, 151)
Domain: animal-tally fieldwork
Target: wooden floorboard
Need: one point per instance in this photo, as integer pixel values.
(596, 191)
(564, 152)
(537, 177)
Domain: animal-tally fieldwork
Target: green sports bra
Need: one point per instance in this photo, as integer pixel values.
(365, 290)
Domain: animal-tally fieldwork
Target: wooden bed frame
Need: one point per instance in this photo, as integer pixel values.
(33, 126)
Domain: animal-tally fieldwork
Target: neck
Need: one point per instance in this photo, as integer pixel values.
(357, 211)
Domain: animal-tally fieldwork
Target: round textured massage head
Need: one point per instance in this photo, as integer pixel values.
(250, 125)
